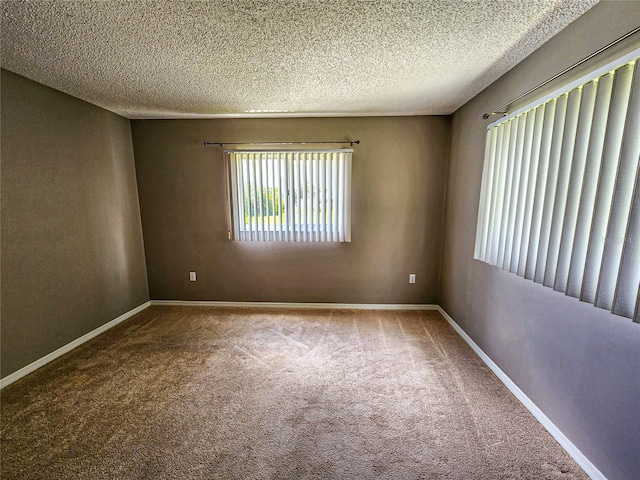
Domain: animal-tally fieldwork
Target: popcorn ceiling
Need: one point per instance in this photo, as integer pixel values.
(174, 59)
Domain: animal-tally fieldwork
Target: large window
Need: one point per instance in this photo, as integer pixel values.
(302, 196)
(560, 196)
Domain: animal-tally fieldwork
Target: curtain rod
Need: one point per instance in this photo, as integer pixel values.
(350, 142)
(501, 111)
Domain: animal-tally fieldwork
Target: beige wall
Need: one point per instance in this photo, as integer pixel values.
(399, 174)
(578, 363)
(72, 249)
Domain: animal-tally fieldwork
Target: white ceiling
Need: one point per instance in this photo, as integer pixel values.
(175, 59)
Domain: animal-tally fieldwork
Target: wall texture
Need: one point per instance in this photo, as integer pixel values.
(399, 173)
(579, 364)
(72, 250)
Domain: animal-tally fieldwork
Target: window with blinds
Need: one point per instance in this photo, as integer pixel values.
(280, 196)
(560, 195)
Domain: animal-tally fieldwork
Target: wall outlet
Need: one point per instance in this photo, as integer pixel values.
(192, 276)
(412, 278)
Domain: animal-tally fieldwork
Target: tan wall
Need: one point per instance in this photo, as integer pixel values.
(398, 190)
(72, 249)
(578, 363)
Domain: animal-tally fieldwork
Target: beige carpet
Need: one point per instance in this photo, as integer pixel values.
(212, 393)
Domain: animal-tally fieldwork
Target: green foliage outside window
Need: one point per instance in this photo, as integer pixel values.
(273, 205)
(270, 206)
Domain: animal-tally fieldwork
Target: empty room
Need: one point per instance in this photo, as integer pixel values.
(305, 239)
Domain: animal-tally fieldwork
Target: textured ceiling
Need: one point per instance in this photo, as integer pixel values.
(171, 59)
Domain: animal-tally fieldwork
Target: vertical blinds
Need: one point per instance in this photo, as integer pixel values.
(560, 195)
(302, 196)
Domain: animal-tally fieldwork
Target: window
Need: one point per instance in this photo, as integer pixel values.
(302, 196)
(560, 195)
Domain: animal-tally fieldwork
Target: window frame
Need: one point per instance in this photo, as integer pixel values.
(568, 131)
(312, 187)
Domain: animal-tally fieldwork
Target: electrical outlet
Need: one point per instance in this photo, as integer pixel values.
(412, 278)
(192, 276)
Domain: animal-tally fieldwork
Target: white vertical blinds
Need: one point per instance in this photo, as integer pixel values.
(302, 196)
(560, 195)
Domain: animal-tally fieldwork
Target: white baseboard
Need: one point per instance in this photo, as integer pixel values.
(584, 463)
(69, 346)
(334, 306)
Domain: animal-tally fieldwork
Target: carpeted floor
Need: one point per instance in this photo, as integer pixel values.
(213, 393)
